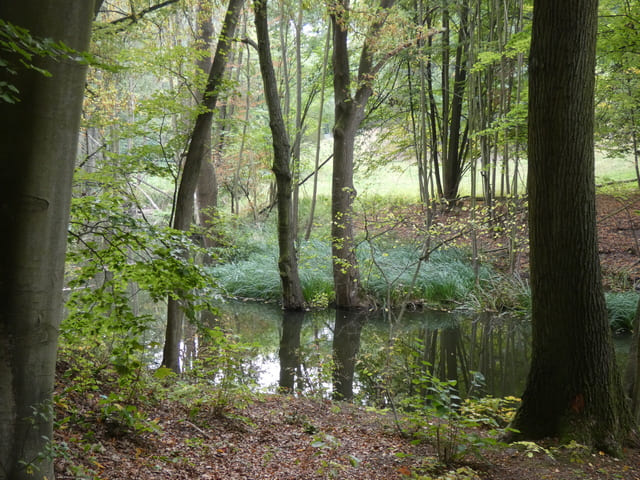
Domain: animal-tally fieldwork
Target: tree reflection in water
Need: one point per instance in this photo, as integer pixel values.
(349, 355)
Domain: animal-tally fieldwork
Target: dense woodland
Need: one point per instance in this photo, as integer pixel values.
(160, 159)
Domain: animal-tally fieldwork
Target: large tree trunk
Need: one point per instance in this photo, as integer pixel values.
(292, 297)
(349, 113)
(573, 389)
(191, 172)
(38, 142)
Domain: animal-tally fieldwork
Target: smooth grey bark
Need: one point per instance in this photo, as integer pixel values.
(191, 172)
(573, 388)
(38, 142)
(207, 188)
(292, 296)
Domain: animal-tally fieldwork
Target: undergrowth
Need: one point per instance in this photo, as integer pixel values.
(392, 274)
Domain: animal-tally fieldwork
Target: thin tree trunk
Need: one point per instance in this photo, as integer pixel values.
(453, 161)
(292, 296)
(314, 195)
(38, 143)
(191, 172)
(295, 158)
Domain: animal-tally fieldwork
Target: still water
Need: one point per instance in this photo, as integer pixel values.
(370, 357)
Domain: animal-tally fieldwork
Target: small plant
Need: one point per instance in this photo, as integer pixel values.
(531, 449)
(577, 452)
(489, 410)
(121, 418)
(437, 417)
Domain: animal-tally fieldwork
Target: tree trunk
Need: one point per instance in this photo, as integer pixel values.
(38, 142)
(191, 171)
(349, 113)
(207, 188)
(573, 389)
(292, 297)
(632, 373)
(452, 162)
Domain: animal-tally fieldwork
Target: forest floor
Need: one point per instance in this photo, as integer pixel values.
(287, 438)
(618, 223)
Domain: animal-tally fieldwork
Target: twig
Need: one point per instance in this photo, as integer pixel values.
(195, 427)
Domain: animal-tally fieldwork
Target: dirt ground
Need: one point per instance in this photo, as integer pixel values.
(619, 240)
(287, 438)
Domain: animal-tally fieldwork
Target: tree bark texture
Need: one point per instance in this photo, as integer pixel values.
(191, 171)
(38, 142)
(349, 113)
(573, 389)
(292, 296)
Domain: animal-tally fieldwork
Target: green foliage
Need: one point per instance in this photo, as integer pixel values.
(617, 81)
(122, 418)
(221, 376)
(391, 271)
(621, 307)
(22, 50)
(432, 407)
(531, 449)
(435, 416)
(119, 268)
(498, 411)
(502, 293)
(396, 272)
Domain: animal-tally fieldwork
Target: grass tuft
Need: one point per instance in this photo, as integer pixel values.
(621, 307)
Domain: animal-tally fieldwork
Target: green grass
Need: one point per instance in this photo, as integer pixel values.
(621, 308)
(388, 273)
(400, 178)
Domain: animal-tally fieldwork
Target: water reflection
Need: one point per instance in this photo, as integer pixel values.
(289, 352)
(346, 344)
(349, 355)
